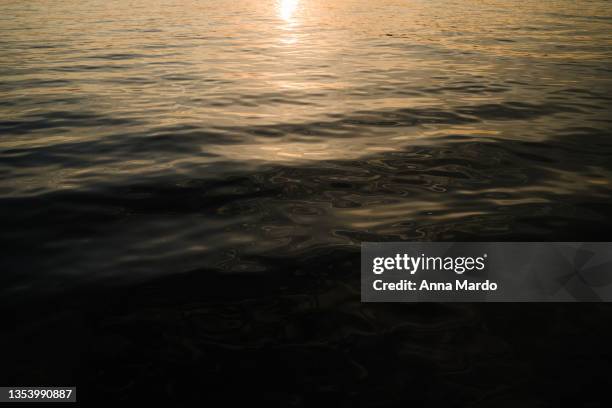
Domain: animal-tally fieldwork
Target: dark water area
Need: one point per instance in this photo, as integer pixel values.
(185, 186)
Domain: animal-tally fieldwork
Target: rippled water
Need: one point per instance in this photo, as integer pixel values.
(233, 155)
(151, 137)
(163, 136)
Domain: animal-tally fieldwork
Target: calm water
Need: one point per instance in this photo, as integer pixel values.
(150, 137)
(232, 155)
(164, 136)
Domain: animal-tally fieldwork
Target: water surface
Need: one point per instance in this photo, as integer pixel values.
(145, 138)
(184, 186)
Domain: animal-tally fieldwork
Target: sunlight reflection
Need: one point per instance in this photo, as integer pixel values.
(286, 8)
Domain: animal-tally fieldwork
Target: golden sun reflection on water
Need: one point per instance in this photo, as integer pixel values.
(286, 8)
